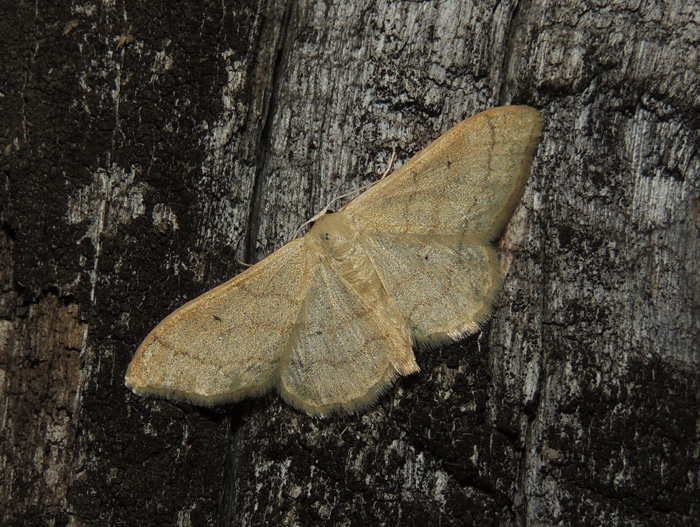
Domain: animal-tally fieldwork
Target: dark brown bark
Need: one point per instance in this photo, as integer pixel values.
(148, 147)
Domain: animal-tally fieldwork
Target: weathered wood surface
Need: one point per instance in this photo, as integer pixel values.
(146, 147)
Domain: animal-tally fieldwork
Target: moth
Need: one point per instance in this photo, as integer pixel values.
(330, 319)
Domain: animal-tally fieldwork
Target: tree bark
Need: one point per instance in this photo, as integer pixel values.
(149, 148)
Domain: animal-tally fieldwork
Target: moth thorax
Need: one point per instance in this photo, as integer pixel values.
(336, 235)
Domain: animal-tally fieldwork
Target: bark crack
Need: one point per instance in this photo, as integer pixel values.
(521, 496)
(265, 140)
(510, 44)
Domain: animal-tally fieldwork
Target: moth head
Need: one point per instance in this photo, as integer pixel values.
(331, 229)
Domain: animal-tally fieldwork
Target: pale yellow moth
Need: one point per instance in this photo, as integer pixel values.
(330, 319)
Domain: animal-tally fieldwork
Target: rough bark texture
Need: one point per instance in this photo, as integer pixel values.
(146, 147)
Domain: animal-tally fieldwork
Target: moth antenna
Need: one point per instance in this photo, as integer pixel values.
(391, 163)
(337, 198)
